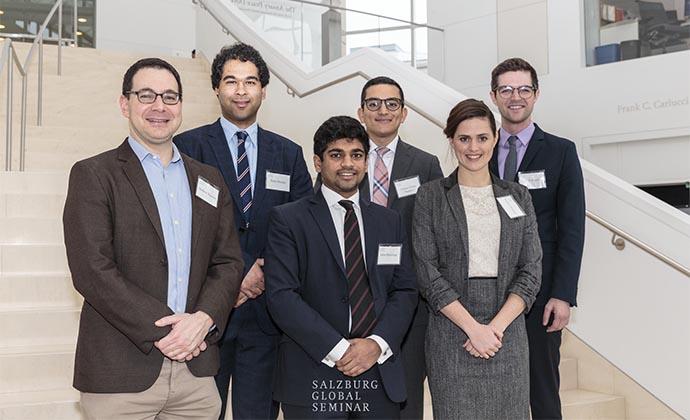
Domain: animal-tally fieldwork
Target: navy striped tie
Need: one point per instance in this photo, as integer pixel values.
(361, 300)
(244, 179)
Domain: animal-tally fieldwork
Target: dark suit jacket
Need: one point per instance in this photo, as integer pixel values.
(560, 209)
(409, 161)
(116, 253)
(207, 144)
(307, 294)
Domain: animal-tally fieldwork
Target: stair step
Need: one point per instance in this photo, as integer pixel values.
(39, 258)
(36, 367)
(17, 230)
(32, 205)
(584, 405)
(568, 372)
(40, 182)
(23, 327)
(56, 404)
(42, 289)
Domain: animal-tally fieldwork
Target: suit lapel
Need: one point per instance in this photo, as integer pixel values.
(371, 244)
(401, 163)
(322, 215)
(535, 144)
(454, 198)
(266, 154)
(137, 177)
(219, 145)
(364, 190)
(197, 206)
(506, 232)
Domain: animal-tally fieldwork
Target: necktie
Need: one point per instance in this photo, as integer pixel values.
(243, 176)
(381, 181)
(510, 168)
(361, 300)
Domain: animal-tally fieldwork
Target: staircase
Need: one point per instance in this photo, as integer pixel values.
(39, 309)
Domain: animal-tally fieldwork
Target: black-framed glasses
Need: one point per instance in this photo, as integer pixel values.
(525, 92)
(374, 104)
(148, 96)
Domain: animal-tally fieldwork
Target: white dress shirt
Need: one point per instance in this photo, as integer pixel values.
(338, 215)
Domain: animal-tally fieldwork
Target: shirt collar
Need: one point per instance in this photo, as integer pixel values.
(391, 146)
(333, 198)
(141, 152)
(230, 129)
(523, 136)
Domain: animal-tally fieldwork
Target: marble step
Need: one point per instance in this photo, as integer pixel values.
(35, 290)
(587, 405)
(568, 371)
(18, 230)
(54, 404)
(32, 205)
(38, 325)
(41, 182)
(32, 259)
(36, 367)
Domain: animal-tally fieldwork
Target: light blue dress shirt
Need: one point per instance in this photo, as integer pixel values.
(523, 136)
(170, 187)
(251, 145)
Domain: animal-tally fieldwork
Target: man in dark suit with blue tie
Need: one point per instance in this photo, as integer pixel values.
(262, 169)
(549, 167)
(340, 286)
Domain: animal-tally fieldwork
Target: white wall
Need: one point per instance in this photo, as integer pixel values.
(156, 27)
(632, 118)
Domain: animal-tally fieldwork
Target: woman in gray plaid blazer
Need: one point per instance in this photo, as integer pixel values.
(478, 261)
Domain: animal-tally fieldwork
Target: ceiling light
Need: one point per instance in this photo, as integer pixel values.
(2, 26)
(79, 33)
(81, 20)
(2, 12)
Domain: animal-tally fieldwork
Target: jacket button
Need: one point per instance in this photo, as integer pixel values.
(344, 300)
(164, 261)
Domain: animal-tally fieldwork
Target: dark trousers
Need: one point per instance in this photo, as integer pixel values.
(366, 404)
(248, 356)
(415, 371)
(544, 358)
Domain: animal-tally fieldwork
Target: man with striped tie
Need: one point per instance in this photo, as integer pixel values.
(340, 286)
(396, 170)
(262, 169)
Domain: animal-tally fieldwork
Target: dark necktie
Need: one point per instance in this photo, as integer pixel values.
(243, 176)
(510, 168)
(361, 301)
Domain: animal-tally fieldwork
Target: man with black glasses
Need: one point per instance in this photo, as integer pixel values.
(395, 170)
(549, 167)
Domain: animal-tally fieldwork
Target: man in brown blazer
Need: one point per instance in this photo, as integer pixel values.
(152, 247)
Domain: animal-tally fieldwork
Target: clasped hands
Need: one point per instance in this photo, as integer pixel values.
(253, 283)
(359, 357)
(186, 339)
(484, 340)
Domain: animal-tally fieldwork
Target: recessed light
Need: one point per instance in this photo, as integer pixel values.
(2, 12)
(81, 20)
(79, 33)
(2, 26)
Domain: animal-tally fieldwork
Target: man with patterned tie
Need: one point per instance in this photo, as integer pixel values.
(549, 167)
(262, 169)
(396, 170)
(340, 286)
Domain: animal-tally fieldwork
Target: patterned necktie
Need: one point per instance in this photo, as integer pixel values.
(361, 300)
(243, 176)
(381, 181)
(510, 168)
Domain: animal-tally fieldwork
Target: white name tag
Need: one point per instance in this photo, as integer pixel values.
(407, 186)
(535, 180)
(207, 191)
(277, 182)
(510, 206)
(389, 254)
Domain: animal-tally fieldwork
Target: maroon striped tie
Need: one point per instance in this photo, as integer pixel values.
(361, 301)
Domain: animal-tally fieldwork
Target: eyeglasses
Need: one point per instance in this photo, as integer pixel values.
(374, 104)
(148, 96)
(506, 92)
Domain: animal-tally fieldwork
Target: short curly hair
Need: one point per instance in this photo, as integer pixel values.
(242, 52)
(336, 128)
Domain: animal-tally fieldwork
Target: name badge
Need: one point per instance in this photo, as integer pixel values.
(510, 206)
(207, 191)
(407, 186)
(389, 254)
(534, 180)
(277, 182)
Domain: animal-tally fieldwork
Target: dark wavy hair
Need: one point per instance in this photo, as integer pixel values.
(336, 128)
(242, 52)
(380, 80)
(464, 110)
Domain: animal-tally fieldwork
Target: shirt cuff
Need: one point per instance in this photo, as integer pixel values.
(386, 351)
(336, 353)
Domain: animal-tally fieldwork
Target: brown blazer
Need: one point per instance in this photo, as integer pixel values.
(117, 257)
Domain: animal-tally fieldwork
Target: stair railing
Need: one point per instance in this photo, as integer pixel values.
(10, 59)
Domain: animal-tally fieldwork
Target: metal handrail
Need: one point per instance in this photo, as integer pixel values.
(640, 244)
(9, 57)
(616, 231)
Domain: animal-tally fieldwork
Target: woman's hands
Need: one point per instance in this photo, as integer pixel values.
(484, 340)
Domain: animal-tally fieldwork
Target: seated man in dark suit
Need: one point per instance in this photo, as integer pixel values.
(340, 286)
